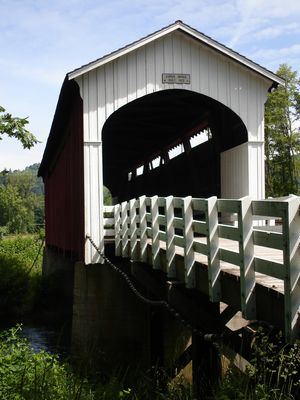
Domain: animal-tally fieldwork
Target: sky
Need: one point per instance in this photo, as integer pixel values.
(42, 40)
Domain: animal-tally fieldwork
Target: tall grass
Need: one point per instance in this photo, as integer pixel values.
(273, 374)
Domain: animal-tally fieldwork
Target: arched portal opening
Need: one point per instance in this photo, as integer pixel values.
(168, 143)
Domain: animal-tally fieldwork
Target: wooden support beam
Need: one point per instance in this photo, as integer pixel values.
(124, 229)
(117, 215)
(188, 235)
(170, 237)
(246, 251)
(143, 229)
(155, 232)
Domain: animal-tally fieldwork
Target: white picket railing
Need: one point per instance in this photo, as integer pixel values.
(195, 226)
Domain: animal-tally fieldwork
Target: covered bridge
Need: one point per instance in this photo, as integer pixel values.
(174, 113)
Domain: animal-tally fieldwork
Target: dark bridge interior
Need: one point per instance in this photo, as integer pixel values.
(138, 139)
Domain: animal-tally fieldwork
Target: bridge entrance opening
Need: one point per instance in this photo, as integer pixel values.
(168, 142)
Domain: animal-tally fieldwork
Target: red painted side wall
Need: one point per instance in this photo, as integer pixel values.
(64, 191)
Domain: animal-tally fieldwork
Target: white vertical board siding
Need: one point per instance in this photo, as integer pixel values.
(101, 98)
(234, 172)
(93, 107)
(256, 98)
(122, 82)
(203, 71)
(131, 77)
(93, 198)
(256, 170)
(139, 73)
(222, 83)
(150, 68)
(159, 64)
(213, 76)
(242, 171)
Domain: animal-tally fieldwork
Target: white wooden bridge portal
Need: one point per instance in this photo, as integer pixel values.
(175, 122)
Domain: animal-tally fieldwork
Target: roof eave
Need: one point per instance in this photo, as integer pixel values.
(178, 25)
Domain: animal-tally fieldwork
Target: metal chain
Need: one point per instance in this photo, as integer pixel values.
(215, 338)
(162, 303)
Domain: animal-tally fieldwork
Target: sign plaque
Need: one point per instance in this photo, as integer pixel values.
(176, 78)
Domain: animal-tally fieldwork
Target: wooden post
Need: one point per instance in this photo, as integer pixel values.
(188, 235)
(133, 229)
(155, 232)
(170, 239)
(117, 212)
(247, 266)
(124, 229)
(206, 367)
(213, 260)
(291, 260)
(143, 229)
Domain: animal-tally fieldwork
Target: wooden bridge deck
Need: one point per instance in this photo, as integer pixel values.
(259, 251)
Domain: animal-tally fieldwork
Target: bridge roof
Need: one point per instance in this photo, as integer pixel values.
(186, 29)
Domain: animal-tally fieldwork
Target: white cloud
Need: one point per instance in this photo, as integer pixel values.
(49, 75)
(264, 19)
(277, 30)
(272, 57)
(293, 50)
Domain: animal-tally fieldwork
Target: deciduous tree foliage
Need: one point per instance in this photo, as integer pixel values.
(21, 201)
(282, 135)
(14, 214)
(21, 209)
(15, 127)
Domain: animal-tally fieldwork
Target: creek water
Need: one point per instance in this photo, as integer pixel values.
(44, 338)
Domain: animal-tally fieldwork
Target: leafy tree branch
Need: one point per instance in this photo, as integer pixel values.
(15, 127)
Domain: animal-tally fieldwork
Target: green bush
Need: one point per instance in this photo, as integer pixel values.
(20, 271)
(25, 374)
(29, 375)
(24, 249)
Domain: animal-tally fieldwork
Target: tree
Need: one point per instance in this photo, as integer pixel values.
(22, 182)
(16, 216)
(15, 127)
(107, 199)
(21, 201)
(282, 135)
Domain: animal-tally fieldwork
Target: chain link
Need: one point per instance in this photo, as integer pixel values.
(210, 337)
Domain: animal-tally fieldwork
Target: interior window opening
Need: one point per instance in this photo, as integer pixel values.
(200, 137)
(176, 151)
(140, 170)
(156, 162)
